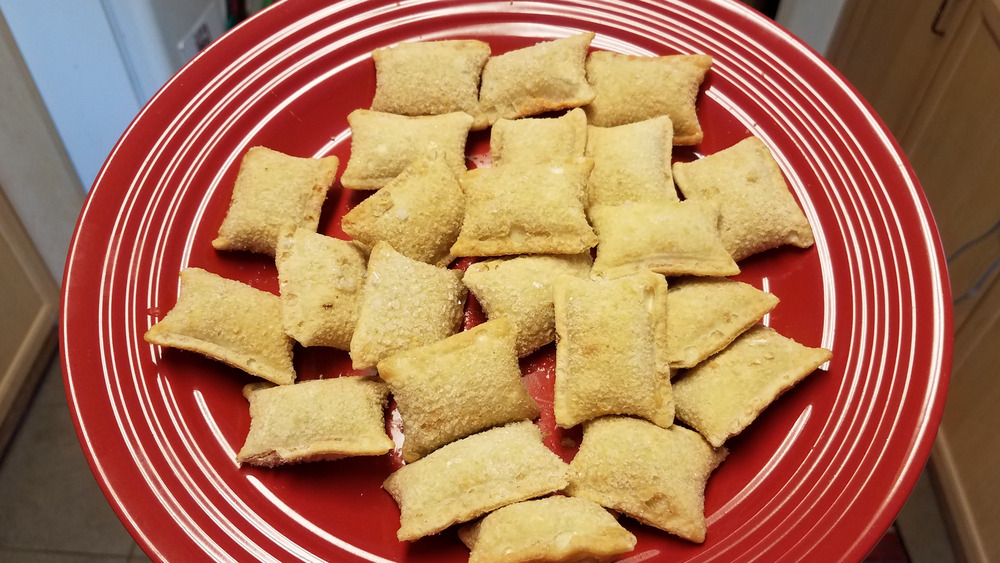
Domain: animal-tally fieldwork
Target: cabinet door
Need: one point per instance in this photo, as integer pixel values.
(953, 142)
(888, 51)
(28, 313)
(37, 184)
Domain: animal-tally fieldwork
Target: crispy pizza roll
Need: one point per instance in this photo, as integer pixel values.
(757, 212)
(655, 475)
(320, 280)
(669, 237)
(554, 529)
(723, 395)
(404, 303)
(611, 355)
(544, 77)
(229, 321)
(274, 191)
(520, 289)
(631, 163)
(473, 476)
(536, 140)
(418, 212)
(384, 144)
(320, 419)
(706, 314)
(630, 88)
(458, 386)
(525, 209)
(430, 78)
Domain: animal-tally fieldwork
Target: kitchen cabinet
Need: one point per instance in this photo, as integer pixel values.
(28, 309)
(37, 185)
(932, 72)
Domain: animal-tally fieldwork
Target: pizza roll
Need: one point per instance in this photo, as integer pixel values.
(274, 191)
(539, 139)
(520, 289)
(555, 529)
(544, 77)
(418, 212)
(757, 212)
(669, 237)
(631, 163)
(525, 209)
(430, 78)
(450, 389)
(611, 355)
(655, 475)
(706, 314)
(229, 321)
(384, 144)
(473, 476)
(320, 280)
(320, 419)
(404, 303)
(723, 395)
(630, 88)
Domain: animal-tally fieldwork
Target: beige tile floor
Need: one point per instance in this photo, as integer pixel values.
(52, 511)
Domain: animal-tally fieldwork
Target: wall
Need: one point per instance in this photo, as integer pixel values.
(96, 62)
(813, 21)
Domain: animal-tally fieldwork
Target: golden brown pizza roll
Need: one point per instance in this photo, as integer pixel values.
(520, 289)
(228, 321)
(536, 140)
(705, 314)
(631, 163)
(724, 394)
(458, 386)
(473, 476)
(274, 191)
(404, 303)
(320, 419)
(430, 78)
(384, 144)
(757, 212)
(544, 77)
(418, 212)
(630, 88)
(611, 355)
(320, 280)
(669, 237)
(655, 475)
(525, 209)
(552, 529)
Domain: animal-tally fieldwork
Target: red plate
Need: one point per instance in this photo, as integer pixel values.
(819, 476)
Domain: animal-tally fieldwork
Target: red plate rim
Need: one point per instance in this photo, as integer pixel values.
(886, 306)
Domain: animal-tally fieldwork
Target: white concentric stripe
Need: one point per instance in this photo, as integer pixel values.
(112, 372)
(911, 281)
(792, 133)
(141, 461)
(147, 475)
(906, 253)
(866, 386)
(164, 235)
(113, 380)
(269, 530)
(189, 142)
